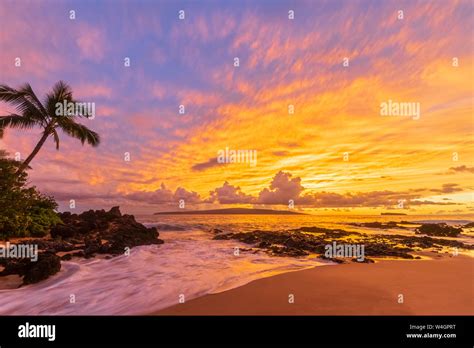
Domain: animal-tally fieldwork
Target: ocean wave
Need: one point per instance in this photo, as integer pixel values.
(153, 277)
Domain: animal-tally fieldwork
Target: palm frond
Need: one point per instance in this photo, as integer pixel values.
(16, 121)
(78, 131)
(61, 92)
(11, 95)
(23, 102)
(26, 88)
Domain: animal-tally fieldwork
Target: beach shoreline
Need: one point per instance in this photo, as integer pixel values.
(442, 285)
(202, 260)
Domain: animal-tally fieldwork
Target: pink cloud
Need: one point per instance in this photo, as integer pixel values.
(104, 110)
(198, 98)
(158, 91)
(92, 90)
(91, 43)
(282, 188)
(165, 195)
(204, 28)
(229, 194)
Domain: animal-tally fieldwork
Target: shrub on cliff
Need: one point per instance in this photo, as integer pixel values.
(23, 210)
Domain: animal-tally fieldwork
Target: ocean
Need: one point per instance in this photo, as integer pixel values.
(188, 265)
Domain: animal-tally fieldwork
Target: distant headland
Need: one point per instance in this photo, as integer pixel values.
(233, 211)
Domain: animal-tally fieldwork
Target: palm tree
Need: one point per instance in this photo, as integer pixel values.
(31, 113)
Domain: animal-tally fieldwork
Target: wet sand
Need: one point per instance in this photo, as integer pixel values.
(440, 286)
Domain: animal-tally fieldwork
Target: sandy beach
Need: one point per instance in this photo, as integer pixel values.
(440, 286)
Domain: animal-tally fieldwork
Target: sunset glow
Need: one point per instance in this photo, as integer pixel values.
(333, 153)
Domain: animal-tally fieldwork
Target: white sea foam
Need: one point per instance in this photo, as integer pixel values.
(151, 278)
(189, 263)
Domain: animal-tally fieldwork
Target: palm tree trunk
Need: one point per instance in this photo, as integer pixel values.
(38, 146)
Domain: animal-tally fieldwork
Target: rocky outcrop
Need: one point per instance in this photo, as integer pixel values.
(103, 232)
(81, 235)
(381, 225)
(440, 230)
(313, 240)
(46, 265)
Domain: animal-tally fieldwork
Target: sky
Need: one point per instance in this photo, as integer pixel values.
(305, 100)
